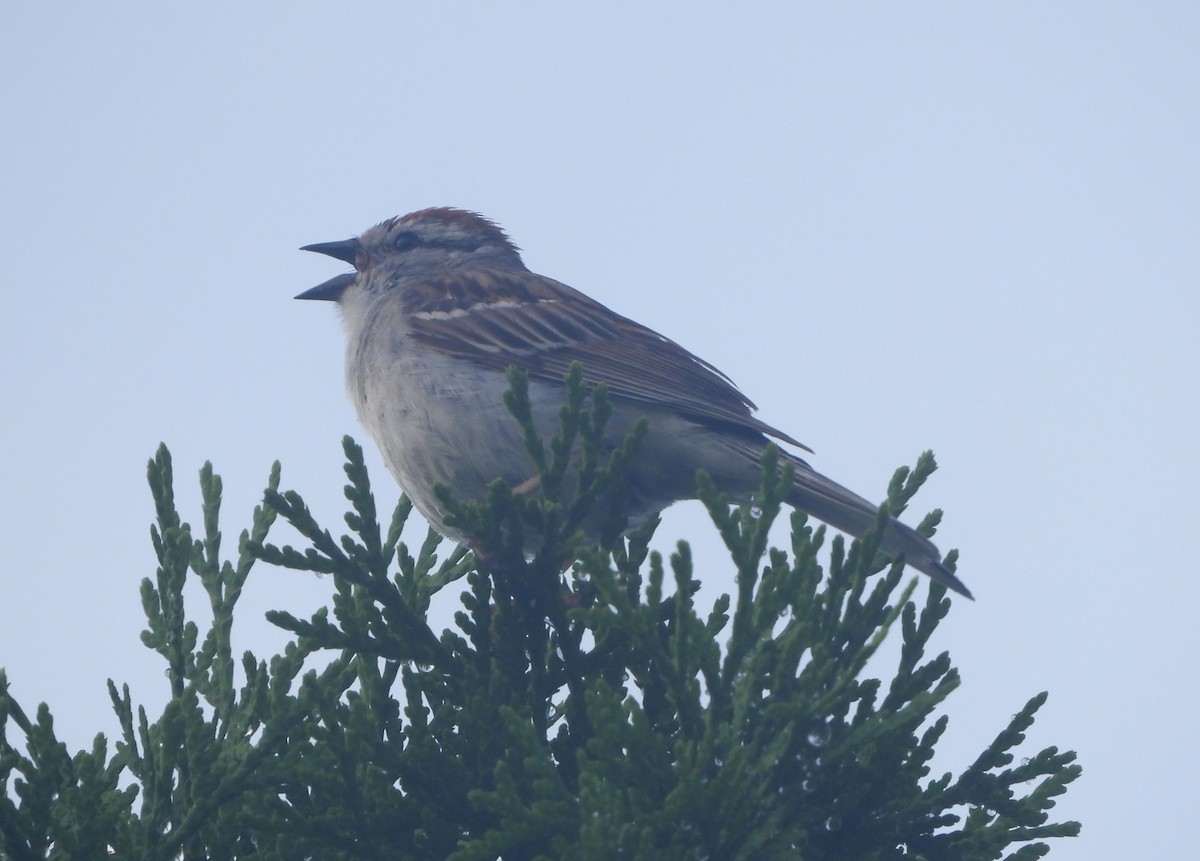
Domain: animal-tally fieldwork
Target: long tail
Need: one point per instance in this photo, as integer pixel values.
(829, 501)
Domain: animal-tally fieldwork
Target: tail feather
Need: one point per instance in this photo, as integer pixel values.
(827, 500)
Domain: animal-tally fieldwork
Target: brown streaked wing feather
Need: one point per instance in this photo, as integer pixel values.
(498, 317)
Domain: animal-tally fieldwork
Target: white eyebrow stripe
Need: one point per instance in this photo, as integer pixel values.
(478, 306)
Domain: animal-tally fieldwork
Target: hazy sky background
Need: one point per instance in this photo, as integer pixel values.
(898, 226)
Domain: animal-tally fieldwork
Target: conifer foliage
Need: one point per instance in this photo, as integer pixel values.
(593, 715)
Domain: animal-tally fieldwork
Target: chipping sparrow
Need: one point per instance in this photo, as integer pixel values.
(439, 306)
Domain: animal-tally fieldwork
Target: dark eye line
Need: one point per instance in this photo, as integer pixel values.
(459, 244)
(409, 239)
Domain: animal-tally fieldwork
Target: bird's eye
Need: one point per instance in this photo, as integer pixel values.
(405, 240)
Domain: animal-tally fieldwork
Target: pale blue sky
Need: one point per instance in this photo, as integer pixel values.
(952, 226)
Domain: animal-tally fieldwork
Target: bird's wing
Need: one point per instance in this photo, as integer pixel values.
(500, 317)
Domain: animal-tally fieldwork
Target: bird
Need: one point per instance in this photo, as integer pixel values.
(440, 304)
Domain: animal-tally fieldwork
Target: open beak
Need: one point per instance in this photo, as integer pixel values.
(345, 250)
(330, 290)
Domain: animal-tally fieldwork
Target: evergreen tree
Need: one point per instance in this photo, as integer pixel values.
(596, 715)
